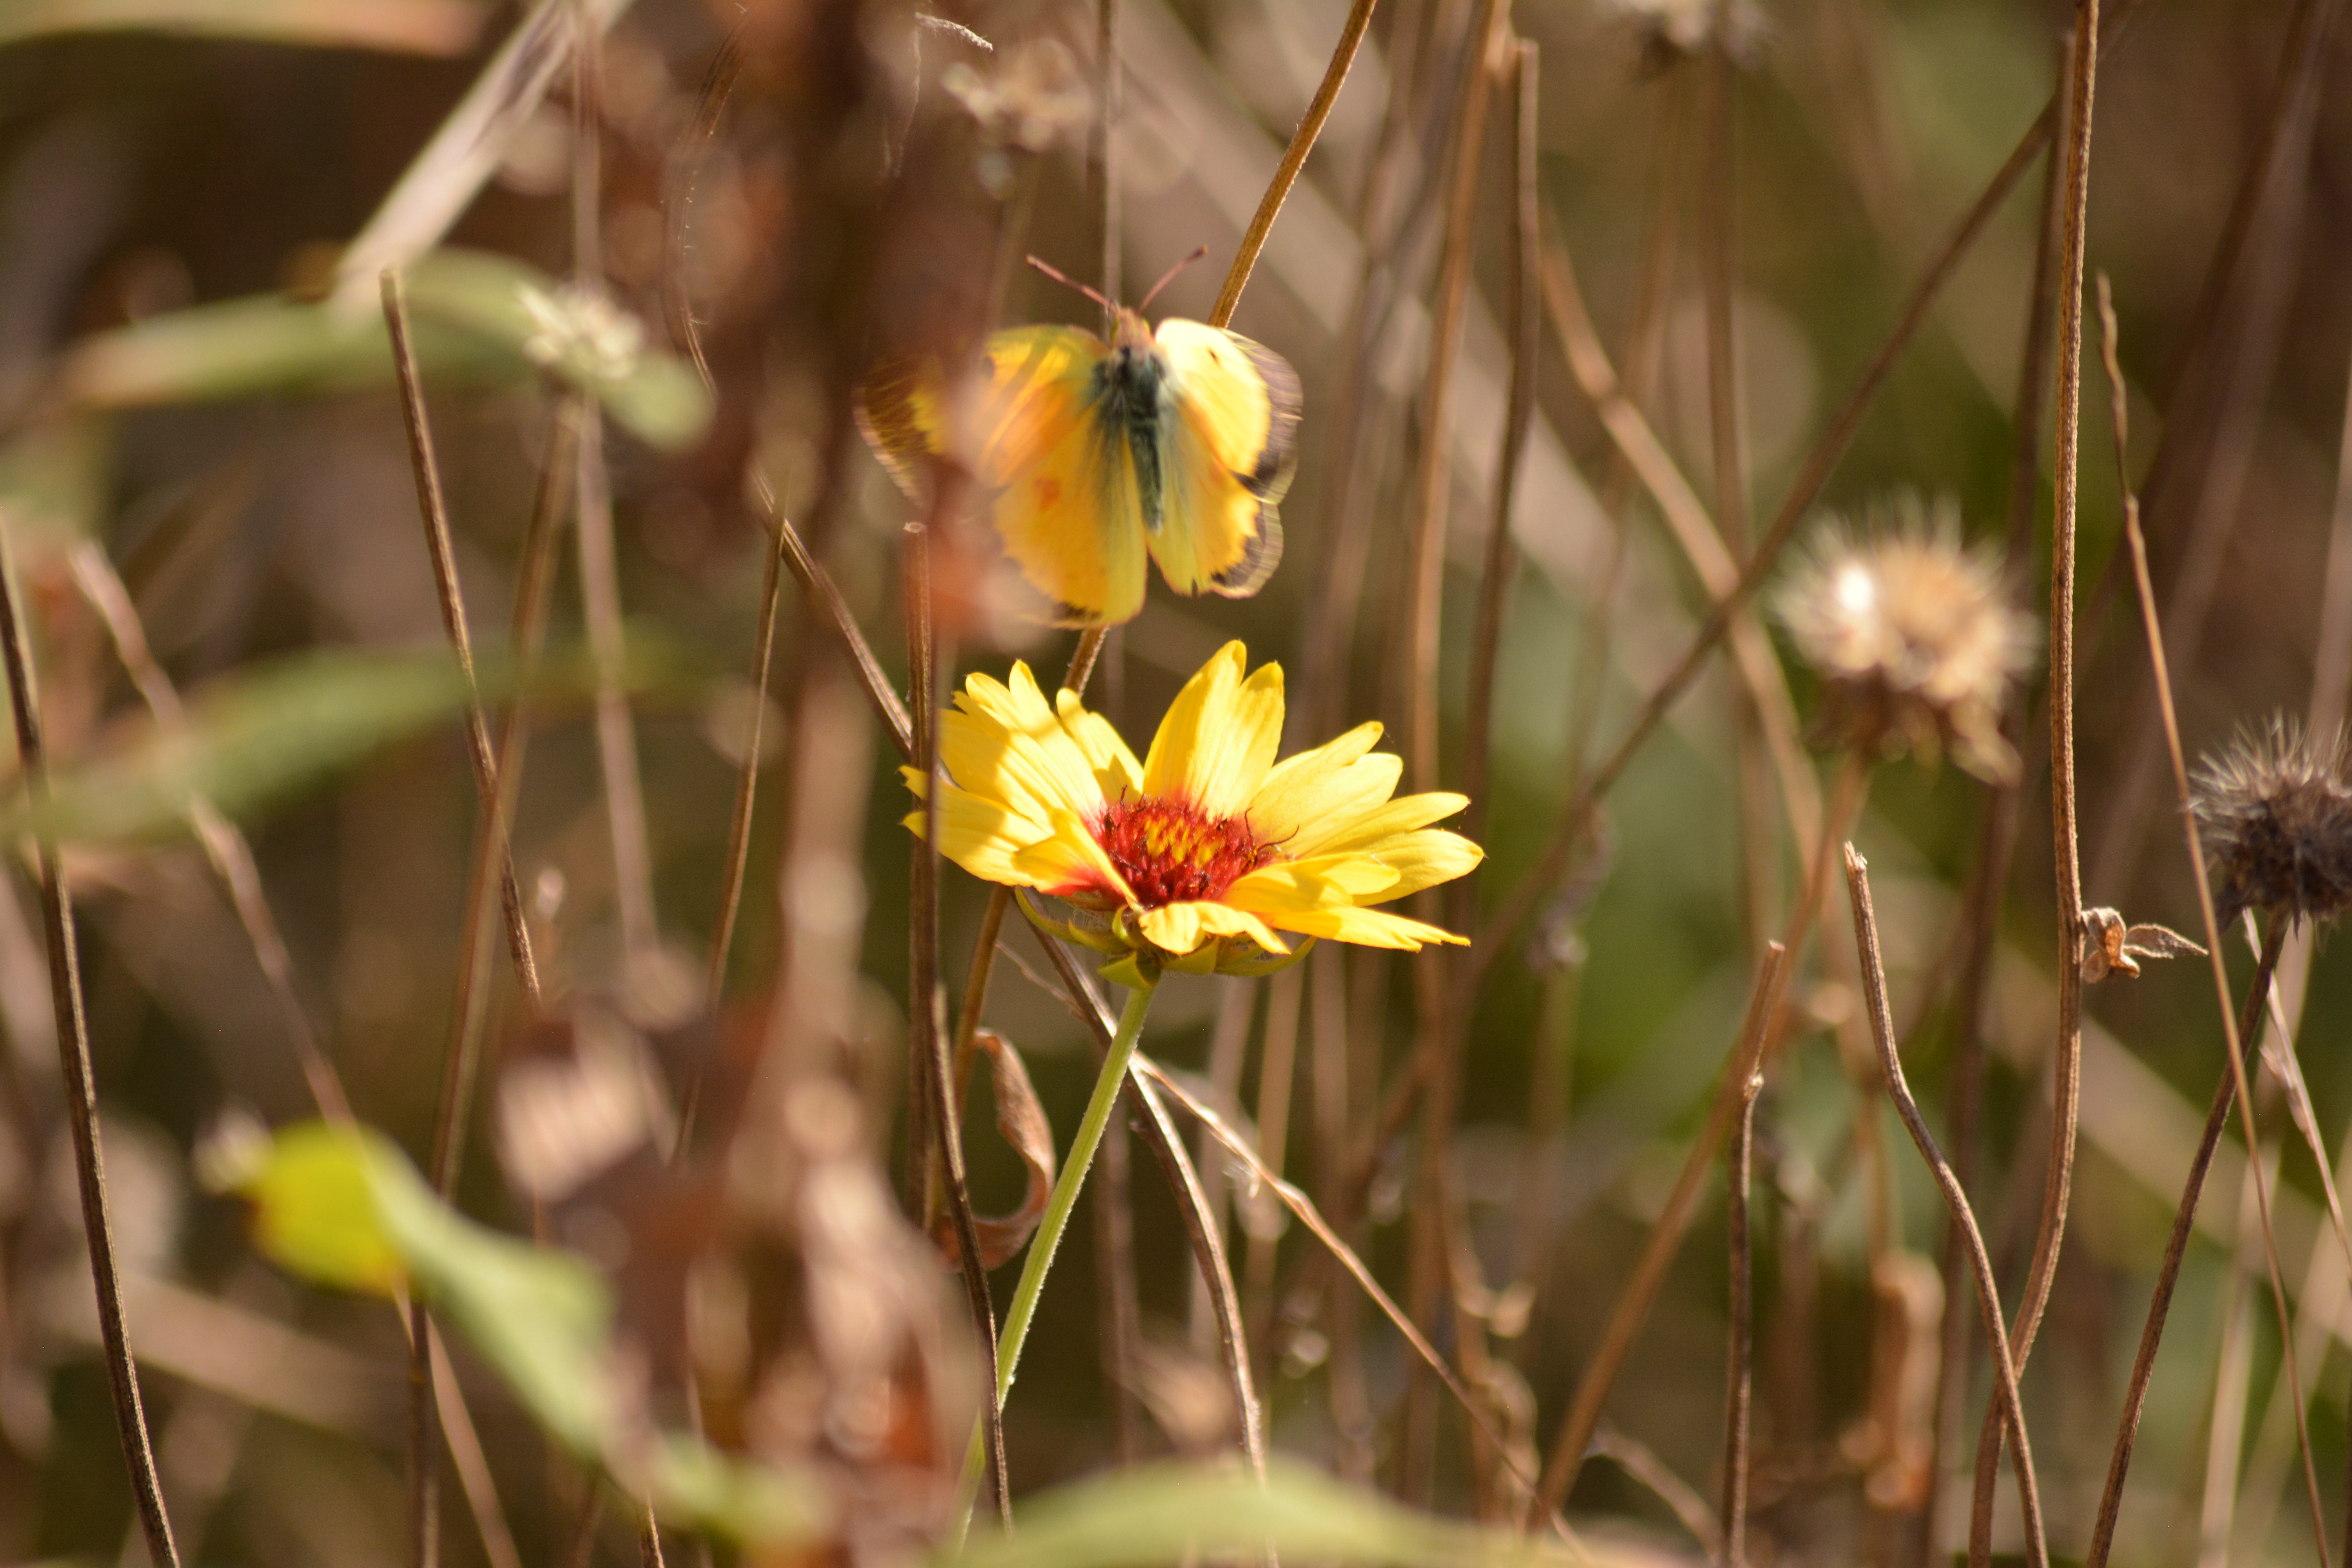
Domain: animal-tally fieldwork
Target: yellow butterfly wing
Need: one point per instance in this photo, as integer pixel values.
(1227, 454)
(1058, 485)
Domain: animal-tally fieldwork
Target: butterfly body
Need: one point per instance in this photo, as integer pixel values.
(1174, 445)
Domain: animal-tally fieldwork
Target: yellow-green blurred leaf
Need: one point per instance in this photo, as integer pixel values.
(1168, 1513)
(696, 1486)
(475, 316)
(403, 26)
(315, 1211)
(249, 738)
(343, 1206)
(254, 737)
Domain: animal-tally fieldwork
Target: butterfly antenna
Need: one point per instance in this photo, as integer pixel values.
(1170, 277)
(1064, 278)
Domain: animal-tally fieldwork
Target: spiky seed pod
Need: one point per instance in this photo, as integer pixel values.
(2276, 816)
(1912, 636)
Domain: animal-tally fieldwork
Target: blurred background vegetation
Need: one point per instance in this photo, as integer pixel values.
(194, 386)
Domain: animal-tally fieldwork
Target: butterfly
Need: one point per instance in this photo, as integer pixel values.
(1175, 444)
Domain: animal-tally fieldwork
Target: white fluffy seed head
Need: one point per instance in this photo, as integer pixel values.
(1911, 635)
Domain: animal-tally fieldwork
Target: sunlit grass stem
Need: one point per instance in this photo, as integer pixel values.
(1049, 1238)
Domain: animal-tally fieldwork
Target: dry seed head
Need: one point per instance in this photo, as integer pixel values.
(1674, 28)
(2276, 815)
(1912, 636)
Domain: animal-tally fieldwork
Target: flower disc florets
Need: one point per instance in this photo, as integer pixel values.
(1913, 638)
(2276, 816)
(1205, 852)
(1170, 852)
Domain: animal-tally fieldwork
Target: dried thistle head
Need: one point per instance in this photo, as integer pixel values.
(1672, 28)
(2276, 815)
(1912, 636)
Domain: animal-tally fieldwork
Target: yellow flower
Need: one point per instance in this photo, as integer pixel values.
(1207, 850)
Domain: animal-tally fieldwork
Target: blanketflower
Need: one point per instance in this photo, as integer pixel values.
(1205, 852)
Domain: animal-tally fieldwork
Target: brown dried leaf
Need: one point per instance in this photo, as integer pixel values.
(1022, 1122)
(2114, 948)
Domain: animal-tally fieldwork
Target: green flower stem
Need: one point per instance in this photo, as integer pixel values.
(1048, 1239)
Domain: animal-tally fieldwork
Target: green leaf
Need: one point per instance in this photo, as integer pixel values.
(315, 1211)
(475, 316)
(694, 1485)
(403, 26)
(342, 1207)
(249, 738)
(1170, 1513)
(256, 736)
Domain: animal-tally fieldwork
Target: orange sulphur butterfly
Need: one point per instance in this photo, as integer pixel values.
(1175, 444)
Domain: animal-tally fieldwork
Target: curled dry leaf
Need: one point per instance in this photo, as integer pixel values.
(1022, 1122)
(2115, 948)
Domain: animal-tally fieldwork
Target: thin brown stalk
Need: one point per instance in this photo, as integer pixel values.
(2168, 1276)
(80, 1081)
(1111, 1197)
(1741, 1378)
(1575, 819)
(1719, 280)
(1882, 1029)
(1110, 83)
(232, 859)
(747, 777)
(932, 1052)
(451, 596)
(1693, 530)
(2067, 1064)
(223, 845)
(1438, 1065)
(1637, 1460)
(1202, 1225)
(1334, 1099)
(1277, 1074)
(1645, 338)
(2242, 310)
(2242, 1033)
(598, 555)
(1000, 898)
(492, 865)
(1757, 1036)
(1997, 845)
(1118, 1313)
(1527, 343)
(1426, 550)
(1303, 1208)
(1294, 159)
(825, 598)
(1573, 1442)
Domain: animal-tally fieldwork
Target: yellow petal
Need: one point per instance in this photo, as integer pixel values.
(1421, 859)
(1069, 859)
(1287, 886)
(1372, 928)
(1117, 772)
(1352, 872)
(1218, 740)
(1181, 928)
(981, 836)
(1009, 745)
(1334, 780)
(1366, 830)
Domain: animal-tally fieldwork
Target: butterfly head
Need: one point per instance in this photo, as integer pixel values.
(1129, 332)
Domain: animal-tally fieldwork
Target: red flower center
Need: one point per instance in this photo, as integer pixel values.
(1171, 853)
